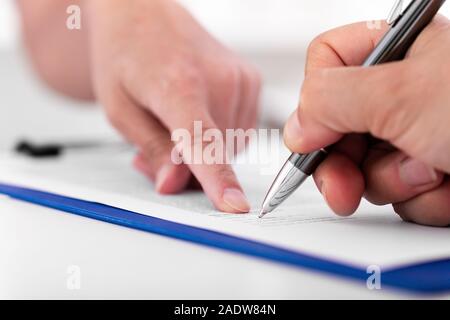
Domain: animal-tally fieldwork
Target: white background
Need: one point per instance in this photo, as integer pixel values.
(8, 24)
(260, 23)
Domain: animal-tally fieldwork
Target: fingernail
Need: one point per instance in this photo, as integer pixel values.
(416, 173)
(162, 175)
(235, 199)
(293, 131)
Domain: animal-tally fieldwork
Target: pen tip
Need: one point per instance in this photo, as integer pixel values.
(262, 214)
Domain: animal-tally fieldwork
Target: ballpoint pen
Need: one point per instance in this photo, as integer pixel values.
(405, 26)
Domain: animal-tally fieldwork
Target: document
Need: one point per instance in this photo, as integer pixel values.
(373, 236)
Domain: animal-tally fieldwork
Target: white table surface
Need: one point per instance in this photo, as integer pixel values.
(38, 245)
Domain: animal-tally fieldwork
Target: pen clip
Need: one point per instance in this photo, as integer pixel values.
(395, 12)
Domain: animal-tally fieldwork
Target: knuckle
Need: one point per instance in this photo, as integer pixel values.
(256, 77)
(251, 83)
(251, 76)
(226, 174)
(230, 76)
(193, 134)
(182, 78)
(197, 136)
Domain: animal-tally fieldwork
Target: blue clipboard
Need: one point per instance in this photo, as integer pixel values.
(429, 277)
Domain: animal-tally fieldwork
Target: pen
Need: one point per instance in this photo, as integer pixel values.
(406, 25)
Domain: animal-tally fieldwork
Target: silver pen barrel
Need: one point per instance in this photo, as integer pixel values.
(294, 172)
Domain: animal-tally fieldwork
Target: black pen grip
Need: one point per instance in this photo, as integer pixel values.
(308, 163)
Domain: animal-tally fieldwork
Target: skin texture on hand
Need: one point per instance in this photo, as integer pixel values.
(155, 70)
(404, 106)
(59, 55)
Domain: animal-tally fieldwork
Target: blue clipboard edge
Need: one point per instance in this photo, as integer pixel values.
(430, 277)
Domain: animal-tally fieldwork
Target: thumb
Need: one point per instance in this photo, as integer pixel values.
(338, 101)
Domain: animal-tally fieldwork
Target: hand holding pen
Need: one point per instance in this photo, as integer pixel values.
(405, 106)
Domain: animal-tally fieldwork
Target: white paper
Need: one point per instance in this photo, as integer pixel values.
(373, 236)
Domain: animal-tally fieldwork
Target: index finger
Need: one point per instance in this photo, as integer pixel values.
(345, 46)
(180, 103)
